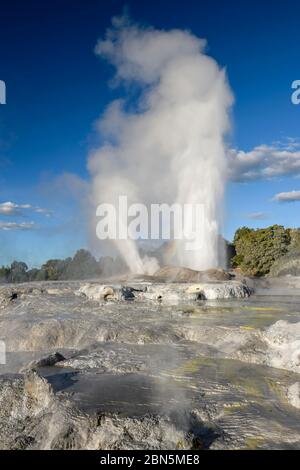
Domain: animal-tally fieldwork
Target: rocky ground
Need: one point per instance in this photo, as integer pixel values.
(197, 363)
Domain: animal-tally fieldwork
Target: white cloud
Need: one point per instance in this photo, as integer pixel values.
(6, 226)
(290, 196)
(257, 215)
(11, 208)
(265, 161)
(41, 210)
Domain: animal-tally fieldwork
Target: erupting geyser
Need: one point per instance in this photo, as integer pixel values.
(165, 142)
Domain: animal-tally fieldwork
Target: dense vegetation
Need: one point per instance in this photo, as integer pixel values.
(258, 250)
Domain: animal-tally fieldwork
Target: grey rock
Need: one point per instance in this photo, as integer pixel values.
(47, 361)
(178, 274)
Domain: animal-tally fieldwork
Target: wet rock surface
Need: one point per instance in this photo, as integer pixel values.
(150, 365)
(47, 361)
(171, 293)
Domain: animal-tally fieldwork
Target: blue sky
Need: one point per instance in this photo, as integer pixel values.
(57, 88)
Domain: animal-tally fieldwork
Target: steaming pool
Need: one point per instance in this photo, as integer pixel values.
(148, 374)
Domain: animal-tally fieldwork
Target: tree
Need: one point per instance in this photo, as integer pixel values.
(41, 275)
(18, 272)
(82, 266)
(4, 273)
(257, 250)
(55, 269)
(289, 264)
(32, 274)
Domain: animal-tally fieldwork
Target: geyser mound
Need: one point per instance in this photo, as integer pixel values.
(177, 274)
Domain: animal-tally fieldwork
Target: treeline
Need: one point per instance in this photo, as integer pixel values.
(83, 265)
(274, 250)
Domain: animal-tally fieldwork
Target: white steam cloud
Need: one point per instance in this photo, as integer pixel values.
(165, 143)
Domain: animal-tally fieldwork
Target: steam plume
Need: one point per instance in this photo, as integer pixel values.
(170, 148)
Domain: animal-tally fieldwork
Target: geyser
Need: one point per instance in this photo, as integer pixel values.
(164, 142)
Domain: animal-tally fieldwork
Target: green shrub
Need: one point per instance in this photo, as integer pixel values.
(257, 250)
